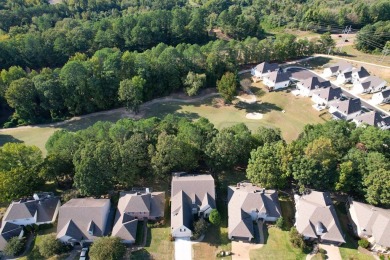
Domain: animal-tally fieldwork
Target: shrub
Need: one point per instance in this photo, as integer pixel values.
(14, 246)
(363, 243)
(49, 246)
(280, 223)
(107, 248)
(296, 239)
(215, 217)
(200, 228)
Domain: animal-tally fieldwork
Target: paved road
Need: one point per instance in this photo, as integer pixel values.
(340, 58)
(301, 73)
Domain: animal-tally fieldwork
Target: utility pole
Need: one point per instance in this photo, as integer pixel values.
(345, 32)
(330, 48)
(384, 53)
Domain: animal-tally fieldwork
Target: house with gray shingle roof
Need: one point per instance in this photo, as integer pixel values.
(41, 209)
(337, 68)
(371, 222)
(359, 74)
(134, 206)
(9, 230)
(346, 109)
(277, 80)
(191, 195)
(373, 118)
(325, 96)
(263, 69)
(344, 77)
(316, 218)
(381, 97)
(248, 203)
(371, 84)
(83, 220)
(307, 86)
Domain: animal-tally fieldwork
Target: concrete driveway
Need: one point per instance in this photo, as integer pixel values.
(183, 249)
(332, 252)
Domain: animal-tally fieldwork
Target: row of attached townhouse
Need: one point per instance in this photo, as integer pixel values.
(272, 76)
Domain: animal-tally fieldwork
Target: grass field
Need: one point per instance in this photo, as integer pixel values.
(277, 246)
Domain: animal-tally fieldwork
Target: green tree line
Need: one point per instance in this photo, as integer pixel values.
(85, 85)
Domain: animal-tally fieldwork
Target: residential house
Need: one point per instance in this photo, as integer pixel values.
(359, 74)
(344, 77)
(277, 80)
(42, 208)
(307, 86)
(83, 220)
(263, 69)
(381, 97)
(373, 118)
(134, 206)
(191, 195)
(370, 84)
(372, 223)
(325, 96)
(248, 203)
(316, 218)
(346, 109)
(337, 68)
(9, 230)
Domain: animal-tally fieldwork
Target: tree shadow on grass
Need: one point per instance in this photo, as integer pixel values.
(140, 255)
(8, 139)
(263, 107)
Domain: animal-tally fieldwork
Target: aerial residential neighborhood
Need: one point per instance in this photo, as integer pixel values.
(194, 130)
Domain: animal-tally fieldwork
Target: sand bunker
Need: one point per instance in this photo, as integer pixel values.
(255, 116)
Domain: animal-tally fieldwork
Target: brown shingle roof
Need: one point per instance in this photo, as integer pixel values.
(266, 67)
(348, 106)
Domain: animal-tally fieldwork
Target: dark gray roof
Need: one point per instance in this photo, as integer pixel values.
(125, 226)
(340, 66)
(386, 93)
(362, 72)
(348, 106)
(277, 76)
(7, 231)
(266, 67)
(373, 118)
(44, 208)
(348, 74)
(315, 83)
(372, 82)
(328, 93)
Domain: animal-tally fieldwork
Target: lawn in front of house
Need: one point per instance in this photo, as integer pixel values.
(350, 249)
(277, 246)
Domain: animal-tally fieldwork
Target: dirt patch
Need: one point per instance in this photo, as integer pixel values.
(254, 116)
(241, 249)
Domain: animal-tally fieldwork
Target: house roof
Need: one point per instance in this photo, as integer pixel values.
(315, 210)
(375, 221)
(7, 231)
(328, 93)
(385, 93)
(348, 106)
(361, 72)
(372, 82)
(78, 216)
(278, 77)
(44, 208)
(347, 74)
(313, 83)
(153, 203)
(190, 191)
(340, 66)
(266, 67)
(373, 118)
(242, 200)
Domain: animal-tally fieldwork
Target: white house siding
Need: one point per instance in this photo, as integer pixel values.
(65, 239)
(303, 91)
(276, 86)
(352, 116)
(342, 80)
(328, 73)
(319, 100)
(377, 98)
(183, 231)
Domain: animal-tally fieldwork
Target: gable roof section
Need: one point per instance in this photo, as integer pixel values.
(375, 221)
(373, 118)
(125, 226)
(386, 93)
(76, 215)
(316, 209)
(44, 208)
(266, 67)
(328, 93)
(7, 231)
(181, 212)
(361, 72)
(242, 200)
(340, 66)
(348, 106)
(278, 77)
(372, 82)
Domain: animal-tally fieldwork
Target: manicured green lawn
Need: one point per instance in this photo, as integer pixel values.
(277, 246)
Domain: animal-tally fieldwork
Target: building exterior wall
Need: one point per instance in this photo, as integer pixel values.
(319, 100)
(182, 232)
(328, 72)
(281, 85)
(377, 98)
(303, 91)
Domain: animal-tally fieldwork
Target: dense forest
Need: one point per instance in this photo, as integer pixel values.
(335, 156)
(90, 48)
